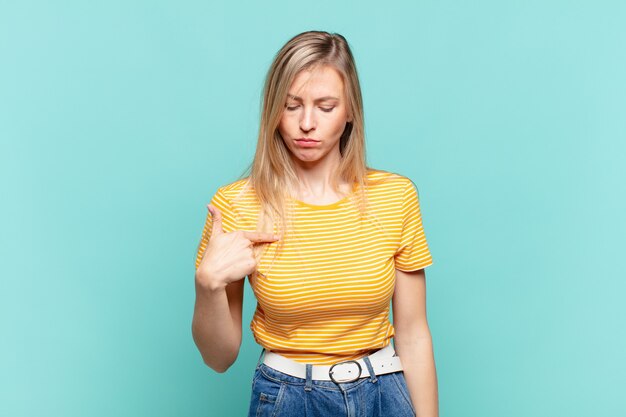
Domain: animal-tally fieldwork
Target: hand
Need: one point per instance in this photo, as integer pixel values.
(229, 256)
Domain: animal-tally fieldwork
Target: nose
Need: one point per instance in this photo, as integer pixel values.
(307, 120)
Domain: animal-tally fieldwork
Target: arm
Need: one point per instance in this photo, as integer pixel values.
(226, 258)
(413, 341)
(216, 325)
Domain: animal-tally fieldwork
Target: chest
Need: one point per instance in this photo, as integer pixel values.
(329, 264)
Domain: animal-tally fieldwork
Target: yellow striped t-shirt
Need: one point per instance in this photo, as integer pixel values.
(325, 296)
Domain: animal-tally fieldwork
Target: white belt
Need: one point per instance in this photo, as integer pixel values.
(383, 361)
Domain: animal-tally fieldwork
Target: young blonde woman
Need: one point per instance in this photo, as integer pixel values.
(326, 243)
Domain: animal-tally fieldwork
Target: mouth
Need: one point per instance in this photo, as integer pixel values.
(306, 142)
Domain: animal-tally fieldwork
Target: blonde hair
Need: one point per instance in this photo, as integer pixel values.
(272, 171)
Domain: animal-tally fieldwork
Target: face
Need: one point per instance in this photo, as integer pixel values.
(315, 115)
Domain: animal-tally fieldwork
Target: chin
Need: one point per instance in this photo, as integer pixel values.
(307, 160)
(310, 157)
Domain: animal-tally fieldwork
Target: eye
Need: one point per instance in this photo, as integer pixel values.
(292, 107)
(327, 109)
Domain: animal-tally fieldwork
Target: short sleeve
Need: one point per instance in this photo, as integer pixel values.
(229, 222)
(413, 252)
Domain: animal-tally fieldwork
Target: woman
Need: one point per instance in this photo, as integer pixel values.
(326, 243)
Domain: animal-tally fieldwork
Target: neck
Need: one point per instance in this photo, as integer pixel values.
(316, 178)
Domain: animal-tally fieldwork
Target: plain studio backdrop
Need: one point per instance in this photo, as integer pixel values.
(119, 120)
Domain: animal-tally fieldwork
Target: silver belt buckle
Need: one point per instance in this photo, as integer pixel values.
(330, 372)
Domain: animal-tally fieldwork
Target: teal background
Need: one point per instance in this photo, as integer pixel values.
(119, 120)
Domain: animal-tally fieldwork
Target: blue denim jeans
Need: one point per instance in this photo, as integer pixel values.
(280, 395)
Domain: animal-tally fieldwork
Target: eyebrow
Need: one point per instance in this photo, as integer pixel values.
(317, 100)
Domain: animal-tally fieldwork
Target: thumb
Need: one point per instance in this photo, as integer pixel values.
(217, 220)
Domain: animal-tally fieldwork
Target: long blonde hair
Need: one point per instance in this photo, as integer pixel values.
(272, 171)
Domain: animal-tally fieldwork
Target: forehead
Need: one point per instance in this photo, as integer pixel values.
(317, 82)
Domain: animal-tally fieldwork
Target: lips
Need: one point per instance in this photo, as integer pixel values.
(306, 142)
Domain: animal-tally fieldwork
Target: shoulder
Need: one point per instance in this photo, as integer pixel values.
(232, 190)
(239, 193)
(388, 182)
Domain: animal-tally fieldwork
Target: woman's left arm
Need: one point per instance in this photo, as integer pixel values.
(413, 342)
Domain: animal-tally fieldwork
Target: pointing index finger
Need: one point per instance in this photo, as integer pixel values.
(259, 237)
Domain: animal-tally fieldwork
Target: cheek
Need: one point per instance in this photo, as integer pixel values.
(339, 124)
(285, 125)
(286, 131)
(281, 128)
